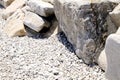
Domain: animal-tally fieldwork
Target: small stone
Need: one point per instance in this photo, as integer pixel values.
(41, 8)
(35, 22)
(12, 8)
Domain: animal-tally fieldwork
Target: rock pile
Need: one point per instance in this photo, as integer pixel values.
(29, 17)
(86, 24)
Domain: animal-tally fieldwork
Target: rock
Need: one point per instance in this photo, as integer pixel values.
(49, 1)
(115, 1)
(13, 7)
(41, 8)
(35, 22)
(85, 25)
(5, 3)
(113, 57)
(14, 25)
(102, 60)
(115, 15)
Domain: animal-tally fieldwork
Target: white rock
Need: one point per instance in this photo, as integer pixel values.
(102, 60)
(34, 21)
(14, 25)
(113, 57)
(13, 7)
(41, 8)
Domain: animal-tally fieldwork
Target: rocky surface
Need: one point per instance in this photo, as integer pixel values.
(113, 57)
(41, 8)
(26, 58)
(14, 24)
(85, 25)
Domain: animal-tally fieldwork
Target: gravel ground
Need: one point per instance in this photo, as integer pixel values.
(26, 58)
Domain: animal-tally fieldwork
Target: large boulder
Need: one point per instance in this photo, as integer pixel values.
(85, 25)
(41, 8)
(113, 57)
(12, 8)
(35, 22)
(14, 25)
(5, 3)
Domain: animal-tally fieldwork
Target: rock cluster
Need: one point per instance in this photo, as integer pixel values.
(29, 17)
(88, 25)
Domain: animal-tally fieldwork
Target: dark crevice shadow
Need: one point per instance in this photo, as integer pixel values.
(63, 39)
(1, 7)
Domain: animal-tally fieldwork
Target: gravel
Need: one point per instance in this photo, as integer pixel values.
(26, 58)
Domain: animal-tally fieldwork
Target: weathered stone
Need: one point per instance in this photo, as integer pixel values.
(14, 25)
(12, 8)
(6, 3)
(35, 22)
(85, 25)
(113, 57)
(115, 15)
(102, 60)
(41, 8)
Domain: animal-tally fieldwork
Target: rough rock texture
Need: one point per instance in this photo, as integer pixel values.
(112, 48)
(35, 22)
(102, 62)
(14, 25)
(41, 8)
(12, 8)
(26, 58)
(5, 3)
(85, 25)
(115, 15)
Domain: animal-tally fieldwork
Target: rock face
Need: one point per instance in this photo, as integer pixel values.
(14, 25)
(113, 57)
(6, 3)
(41, 8)
(13, 7)
(115, 15)
(85, 25)
(35, 22)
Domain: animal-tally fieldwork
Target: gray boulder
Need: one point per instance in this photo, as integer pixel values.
(41, 8)
(85, 25)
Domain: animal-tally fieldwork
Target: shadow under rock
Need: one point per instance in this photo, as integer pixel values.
(1, 7)
(63, 39)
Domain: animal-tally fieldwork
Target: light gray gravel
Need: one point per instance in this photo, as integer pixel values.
(25, 58)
